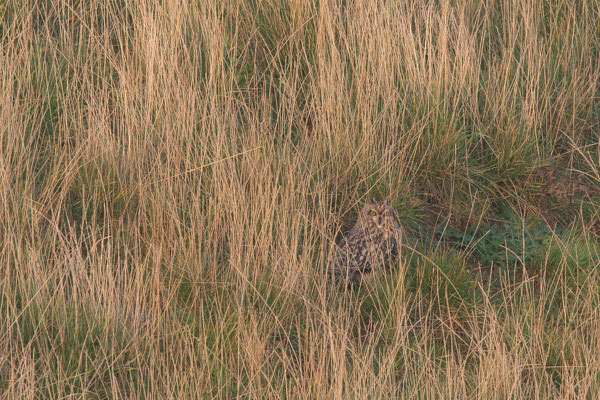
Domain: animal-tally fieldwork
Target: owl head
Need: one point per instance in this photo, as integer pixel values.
(379, 215)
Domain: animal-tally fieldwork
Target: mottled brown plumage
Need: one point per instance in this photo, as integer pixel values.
(370, 244)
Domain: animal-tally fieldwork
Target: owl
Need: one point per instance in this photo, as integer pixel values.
(372, 242)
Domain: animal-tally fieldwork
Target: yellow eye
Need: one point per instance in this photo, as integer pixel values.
(373, 213)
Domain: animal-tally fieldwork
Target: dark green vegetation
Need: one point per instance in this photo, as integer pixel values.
(173, 174)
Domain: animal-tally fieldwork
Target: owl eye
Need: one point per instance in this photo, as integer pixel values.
(373, 213)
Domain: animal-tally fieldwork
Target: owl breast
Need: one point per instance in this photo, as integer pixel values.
(361, 251)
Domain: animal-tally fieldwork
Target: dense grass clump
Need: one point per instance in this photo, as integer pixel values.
(173, 175)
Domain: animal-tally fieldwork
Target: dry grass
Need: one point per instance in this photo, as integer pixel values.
(172, 175)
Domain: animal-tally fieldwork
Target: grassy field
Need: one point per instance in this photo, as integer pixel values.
(173, 175)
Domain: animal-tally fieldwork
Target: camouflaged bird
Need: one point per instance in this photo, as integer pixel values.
(371, 243)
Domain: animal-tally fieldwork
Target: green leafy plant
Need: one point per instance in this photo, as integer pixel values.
(513, 241)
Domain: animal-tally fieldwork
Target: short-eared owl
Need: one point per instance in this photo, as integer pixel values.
(371, 243)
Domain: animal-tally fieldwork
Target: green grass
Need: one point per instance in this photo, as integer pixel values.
(173, 176)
